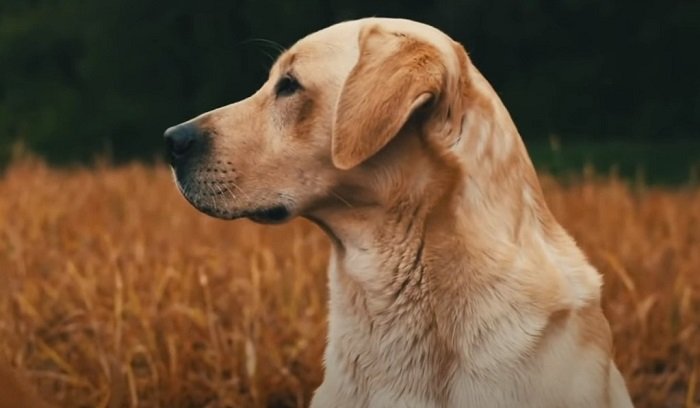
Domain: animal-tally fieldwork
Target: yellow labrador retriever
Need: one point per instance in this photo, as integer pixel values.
(451, 284)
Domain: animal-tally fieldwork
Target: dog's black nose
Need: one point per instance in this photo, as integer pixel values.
(179, 140)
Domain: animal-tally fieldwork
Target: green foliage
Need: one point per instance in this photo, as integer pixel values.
(107, 76)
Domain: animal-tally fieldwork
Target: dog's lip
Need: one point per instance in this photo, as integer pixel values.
(270, 215)
(267, 215)
(273, 214)
(276, 214)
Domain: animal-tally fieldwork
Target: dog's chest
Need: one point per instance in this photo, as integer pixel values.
(390, 359)
(403, 369)
(398, 355)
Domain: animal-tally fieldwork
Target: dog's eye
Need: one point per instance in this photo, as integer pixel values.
(286, 86)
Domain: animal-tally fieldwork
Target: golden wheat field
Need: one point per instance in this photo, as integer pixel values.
(116, 293)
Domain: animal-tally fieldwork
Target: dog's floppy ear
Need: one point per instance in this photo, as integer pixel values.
(394, 76)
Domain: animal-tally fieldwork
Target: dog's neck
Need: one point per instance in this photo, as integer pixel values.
(379, 240)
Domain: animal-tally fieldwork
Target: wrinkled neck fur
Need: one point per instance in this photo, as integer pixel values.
(380, 226)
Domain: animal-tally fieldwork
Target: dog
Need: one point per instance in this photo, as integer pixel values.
(451, 283)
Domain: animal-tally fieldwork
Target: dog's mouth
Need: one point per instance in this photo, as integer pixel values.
(215, 199)
(271, 215)
(267, 215)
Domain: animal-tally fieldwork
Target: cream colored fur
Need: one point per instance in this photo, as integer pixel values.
(451, 284)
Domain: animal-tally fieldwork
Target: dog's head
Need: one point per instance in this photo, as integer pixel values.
(325, 121)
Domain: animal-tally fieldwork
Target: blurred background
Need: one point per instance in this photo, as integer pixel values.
(611, 83)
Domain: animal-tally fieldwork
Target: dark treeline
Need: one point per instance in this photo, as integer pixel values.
(79, 78)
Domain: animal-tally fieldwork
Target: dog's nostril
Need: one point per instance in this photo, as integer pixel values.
(180, 139)
(180, 146)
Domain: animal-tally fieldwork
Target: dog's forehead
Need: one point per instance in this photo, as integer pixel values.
(323, 57)
(338, 45)
(334, 47)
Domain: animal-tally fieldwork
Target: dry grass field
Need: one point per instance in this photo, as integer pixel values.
(115, 293)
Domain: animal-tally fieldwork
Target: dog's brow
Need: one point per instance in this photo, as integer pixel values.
(285, 61)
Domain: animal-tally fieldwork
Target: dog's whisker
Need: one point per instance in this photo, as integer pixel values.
(278, 48)
(240, 190)
(271, 58)
(233, 197)
(264, 42)
(218, 187)
(212, 197)
(185, 189)
(343, 200)
(216, 196)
